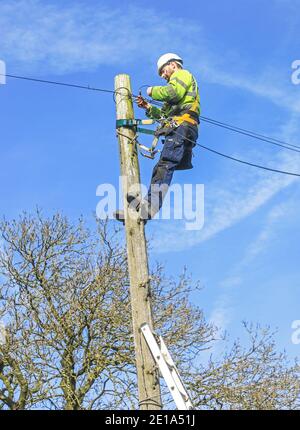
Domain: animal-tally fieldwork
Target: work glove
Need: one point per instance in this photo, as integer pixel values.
(141, 102)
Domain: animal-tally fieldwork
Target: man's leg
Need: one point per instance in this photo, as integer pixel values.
(189, 135)
(176, 155)
(171, 156)
(161, 179)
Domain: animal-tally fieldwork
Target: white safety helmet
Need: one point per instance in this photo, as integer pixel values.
(166, 58)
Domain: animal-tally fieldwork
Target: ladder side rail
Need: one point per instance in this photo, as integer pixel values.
(164, 368)
(175, 373)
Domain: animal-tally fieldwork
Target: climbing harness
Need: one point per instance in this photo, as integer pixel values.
(166, 126)
(144, 150)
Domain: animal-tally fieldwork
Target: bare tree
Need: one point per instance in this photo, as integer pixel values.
(67, 312)
(68, 337)
(256, 376)
(64, 295)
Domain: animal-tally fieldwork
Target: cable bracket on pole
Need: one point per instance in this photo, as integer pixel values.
(144, 150)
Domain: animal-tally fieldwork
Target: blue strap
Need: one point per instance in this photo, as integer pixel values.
(145, 130)
(133, 122)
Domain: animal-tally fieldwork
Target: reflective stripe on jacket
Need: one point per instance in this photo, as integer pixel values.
(181, 96)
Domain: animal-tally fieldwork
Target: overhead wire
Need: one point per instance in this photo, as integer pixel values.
(245, 132)
(211, 121)
(43, 81)
(203, 118)
(245, 162)
(248, 131)
(252, 134)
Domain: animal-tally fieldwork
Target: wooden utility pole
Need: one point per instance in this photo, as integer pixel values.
(147, 374)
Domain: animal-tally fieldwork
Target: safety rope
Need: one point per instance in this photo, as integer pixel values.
(145, 151)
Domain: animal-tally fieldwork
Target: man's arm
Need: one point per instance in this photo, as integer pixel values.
(154, 112)
(151, 111)
(175, 90)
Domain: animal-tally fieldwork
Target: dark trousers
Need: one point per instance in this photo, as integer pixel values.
(176, 155)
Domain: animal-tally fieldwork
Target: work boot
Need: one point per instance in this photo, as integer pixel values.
(146, 211)
(119, 213)
(119, 216)
(131, 197)
(141, 205)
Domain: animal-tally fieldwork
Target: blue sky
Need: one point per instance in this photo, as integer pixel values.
(58, 144)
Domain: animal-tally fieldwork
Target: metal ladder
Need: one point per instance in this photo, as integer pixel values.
(167, 369)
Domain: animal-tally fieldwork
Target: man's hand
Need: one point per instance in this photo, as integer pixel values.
(141, 102)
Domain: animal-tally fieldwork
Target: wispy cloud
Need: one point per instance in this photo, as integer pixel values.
(223, 309)
(224, 306)
(228, 202)
(271, 84)
(61, 38)
(43, 37)
(277, 214)
(227, 208)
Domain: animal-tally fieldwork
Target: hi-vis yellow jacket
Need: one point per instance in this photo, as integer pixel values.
(181, 97)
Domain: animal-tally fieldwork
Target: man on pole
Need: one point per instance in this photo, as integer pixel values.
(180, 118)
